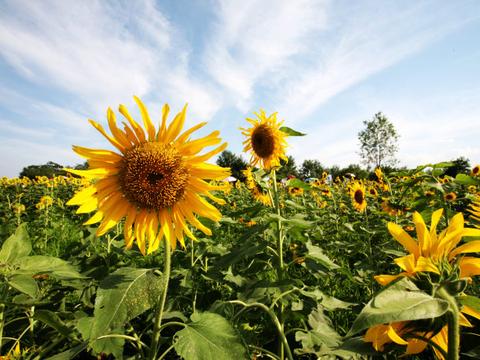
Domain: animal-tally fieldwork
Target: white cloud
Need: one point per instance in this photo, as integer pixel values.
(363, 40)
(254, 41)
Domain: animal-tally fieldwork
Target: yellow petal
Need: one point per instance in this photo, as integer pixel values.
(426, 265)
(102, 131)
(176, 125)
(118, 134)
(146, 119)
(82, 196)
(386, 279)
(422, 234)
(469, 266)
(472, 246)
(392, 334)
(415, 346)
(470, 311)
(403, 238)
(136, 128)
(95, 218)
(407, 263)
(162, 131)
(187, 133)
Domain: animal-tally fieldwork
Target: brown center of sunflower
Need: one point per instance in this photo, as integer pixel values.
(153, 176)
(263, 141)
(358, 196)
(476, 170)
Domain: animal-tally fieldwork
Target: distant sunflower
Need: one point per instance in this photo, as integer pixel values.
(373, 192)
(265, 141)
(295, 191)
(261, 195)
(156, 181)
(476, 171)
(357, 192)
(451, 196)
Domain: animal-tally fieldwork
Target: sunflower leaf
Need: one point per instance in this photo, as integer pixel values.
(209, 336)
(122, 296)
(401, 301)
(16, 246)
(290, 132)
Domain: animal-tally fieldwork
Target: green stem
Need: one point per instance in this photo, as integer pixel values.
(161, 302)
(2, 308)
(453, 316)
(281, 349)
(275, 321)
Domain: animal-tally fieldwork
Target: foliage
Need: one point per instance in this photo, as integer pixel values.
(288, 168)
(67, 293)
(460, 165)
(234, 162)
(50, 170)
(378, 142)
(311, 169)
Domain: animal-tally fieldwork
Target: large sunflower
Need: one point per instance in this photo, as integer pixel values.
(156, 180)
(433, 252)
(265, 141)
(357, 193)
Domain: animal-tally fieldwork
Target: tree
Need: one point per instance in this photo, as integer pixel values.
(311, 169)
(378, 142)
(234, 162)
(287, 168)
(50, 170)
(460, 166)
(353, 169)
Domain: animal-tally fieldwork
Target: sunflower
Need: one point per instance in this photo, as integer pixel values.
(398, 332)
(156, 180)
(372, 191)
(474, 210)
(265, 141)
(261, 195)
(476, 170)
(379, 174)
(431, 251)
(249, 180)
(451, 196)
(295, 191)
(357, 192)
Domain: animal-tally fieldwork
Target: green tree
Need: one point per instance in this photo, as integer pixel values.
(234, 162)
(461, 165)
(287, 168)
(355, 170)
(50, 169)
(311, 169)
(378, 142)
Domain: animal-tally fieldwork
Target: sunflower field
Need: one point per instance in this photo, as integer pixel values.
(150, 254)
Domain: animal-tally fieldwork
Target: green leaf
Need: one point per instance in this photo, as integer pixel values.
(16, 246)
(321, 338)
(53, 320)
(316, 253)
(47, 264)
(297, 183)
(25, 284)
(121, 296)
(401, 301)
(109, 345)
(209, 336)
(470, 301)
(328, 302)
(70, 353)
(290, 132)
(466, 180)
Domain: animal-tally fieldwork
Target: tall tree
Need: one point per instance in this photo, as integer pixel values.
(378, 142)
(311, 169)
(234, 162)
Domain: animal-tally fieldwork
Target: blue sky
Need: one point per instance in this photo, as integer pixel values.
(325, 66)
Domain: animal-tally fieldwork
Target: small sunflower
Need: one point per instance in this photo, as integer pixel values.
(156, 180)
(475, 170)
(373, 192)
(261, 195)
(357, 192)
(265, 141)
(295, 191)
(379, 174)
(451, 196)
